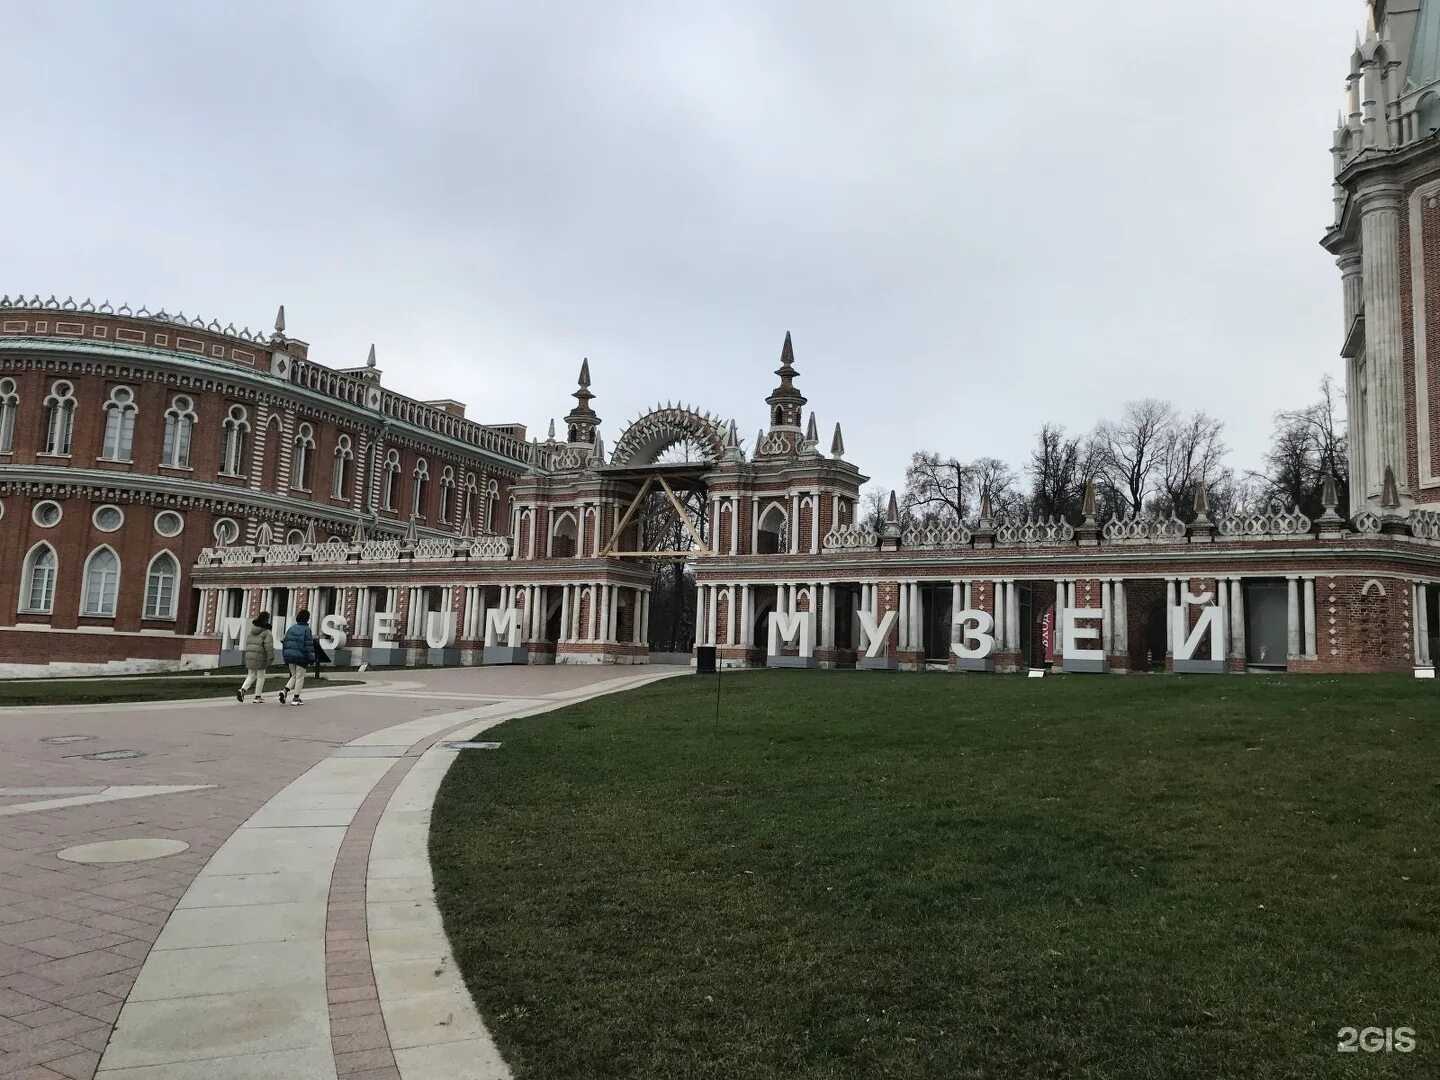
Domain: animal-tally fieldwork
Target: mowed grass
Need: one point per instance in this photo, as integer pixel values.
(870, 875)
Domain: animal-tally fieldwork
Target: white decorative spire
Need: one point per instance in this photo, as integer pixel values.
(370, 359)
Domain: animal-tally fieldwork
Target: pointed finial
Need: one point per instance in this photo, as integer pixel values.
(732, 436)
(310, 533)
(1390, 493)
(985, 513)
(1087, 507)
(837, 444)
(892, 511)
(370, 359)
(1329, 496)
(410, 530)
(1202, 503)
(280, 320)
(585, 373)
(551, 435)
(812, 431)
(759, 438)
(787, 352)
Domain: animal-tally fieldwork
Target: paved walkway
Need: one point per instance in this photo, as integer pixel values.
(296, 935)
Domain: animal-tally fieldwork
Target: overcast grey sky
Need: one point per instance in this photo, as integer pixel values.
(974, 217)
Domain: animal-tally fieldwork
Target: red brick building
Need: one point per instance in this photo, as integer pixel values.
(163, 479)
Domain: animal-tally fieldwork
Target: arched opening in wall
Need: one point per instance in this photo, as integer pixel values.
(563, 536)
(764, 600)
(772, 535)
(1152, 634)
(936, 615)
(194, 620)
(1427, 114)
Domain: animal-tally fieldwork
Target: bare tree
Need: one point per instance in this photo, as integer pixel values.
(873, 503)
(1309, 445)
(1191, 455)
(997, 479)
(1059, 468)
(1129, 451)
(937, 490)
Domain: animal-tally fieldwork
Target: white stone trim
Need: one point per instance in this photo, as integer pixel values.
(1426, 477)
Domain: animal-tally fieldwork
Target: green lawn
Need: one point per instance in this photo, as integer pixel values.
(140, 688)
(922, 876)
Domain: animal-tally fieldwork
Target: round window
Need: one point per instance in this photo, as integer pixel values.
(169, 523)
(47, 514)
(226, 531)
(294, 536)
(108, 518)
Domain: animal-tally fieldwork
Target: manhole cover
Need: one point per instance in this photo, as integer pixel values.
(113, 755)
(60, 740)
(113, 851)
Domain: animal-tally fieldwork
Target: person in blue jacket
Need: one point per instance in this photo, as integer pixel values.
(298, 651)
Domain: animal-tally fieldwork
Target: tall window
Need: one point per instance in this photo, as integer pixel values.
(179, 426)
(9, 406)
(38, 590)
(102, 581)
(420, 488)
(447, 493)
(59, 418)
(160, 586)
(468, 513)
(300, 458)
(340, 477)
(119, 425)
(232, 448)
(392, 479)
(492, 496)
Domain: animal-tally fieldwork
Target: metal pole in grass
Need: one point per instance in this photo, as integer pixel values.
(717, 698)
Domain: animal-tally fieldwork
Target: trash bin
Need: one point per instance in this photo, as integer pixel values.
(705, 660)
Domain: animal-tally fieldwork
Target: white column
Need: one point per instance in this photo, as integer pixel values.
(1379, 208)
(967, 596)
(1222, 594)
(730, 615)
(645, 617)
(713, 613)
(827, 610)
(904, 615)
(1310, 616)
(734, 524)
(754, 525)
(1292, 617)
(1237, 618)
(957, 604)
(1122, 620)
(794, 524)
(997, 589)
(1012, 615)
(1107, 618)
(1057, 633)
(615, 613)
(603, 629)
(594, 613)
(1169, 613)
(1422, 610)
(815, 523)
(917, 618)
(747, 615)
(565, 613)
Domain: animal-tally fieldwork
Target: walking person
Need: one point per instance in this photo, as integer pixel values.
(298, 651)
(259, 655)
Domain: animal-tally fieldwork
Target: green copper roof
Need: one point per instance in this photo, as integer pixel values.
(1424, 66)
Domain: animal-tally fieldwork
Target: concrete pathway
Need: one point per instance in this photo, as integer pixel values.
(296, 935)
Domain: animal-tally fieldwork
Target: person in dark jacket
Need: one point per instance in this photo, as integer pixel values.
(298, 651)
(259, 655)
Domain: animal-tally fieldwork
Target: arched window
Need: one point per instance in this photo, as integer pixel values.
(1427, 117)
(179, 426)
(37, 593)
(9, 406)
(232, 448)
(391, 489)
(774, 533)
(420, 488)
(467, 514)
(160, 582)
(59, 418)
(102, 582)
(447, 493)
(340, 478)
(564, 536)
(119, 425)
(302, 453)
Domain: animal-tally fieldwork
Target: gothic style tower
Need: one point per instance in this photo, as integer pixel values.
(1386, 240)
(785, 401)
(582, 421)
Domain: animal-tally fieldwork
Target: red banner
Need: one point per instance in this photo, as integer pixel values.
(1047, 634)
